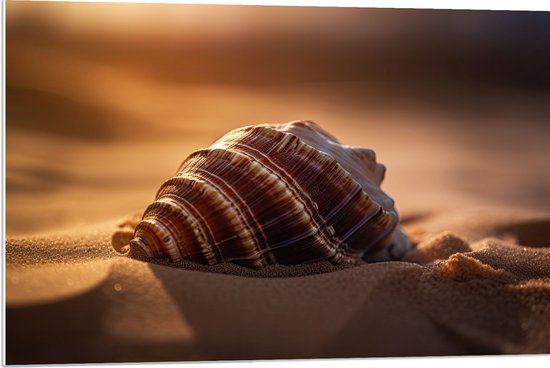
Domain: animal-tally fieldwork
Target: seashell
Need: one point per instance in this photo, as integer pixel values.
(286, 194)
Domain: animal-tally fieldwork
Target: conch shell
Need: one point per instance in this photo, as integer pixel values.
(286, 194)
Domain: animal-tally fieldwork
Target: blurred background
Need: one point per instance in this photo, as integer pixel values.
(105, 100)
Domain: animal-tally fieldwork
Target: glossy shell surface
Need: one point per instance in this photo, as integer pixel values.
(265, 194)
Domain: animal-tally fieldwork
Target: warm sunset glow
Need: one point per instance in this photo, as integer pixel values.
(104, 101)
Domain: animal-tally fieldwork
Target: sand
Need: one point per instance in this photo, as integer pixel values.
(73, 299)
(92, 133)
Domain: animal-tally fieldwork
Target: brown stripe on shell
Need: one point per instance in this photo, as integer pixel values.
(325, 244)
(218, 218)
(227, 172)
(187, 222)
(279, 215)
(265, 146)
(333, 197)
